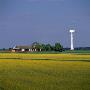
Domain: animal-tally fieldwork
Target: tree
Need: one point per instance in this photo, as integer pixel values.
(58, 47)
(48, 47)
(36, 45)
(43, 47)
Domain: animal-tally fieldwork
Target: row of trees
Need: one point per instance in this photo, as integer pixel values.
(47, 47)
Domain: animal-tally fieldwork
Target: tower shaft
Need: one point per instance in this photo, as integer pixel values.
(72, 47)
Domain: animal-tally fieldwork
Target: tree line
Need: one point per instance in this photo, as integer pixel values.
(48, 47)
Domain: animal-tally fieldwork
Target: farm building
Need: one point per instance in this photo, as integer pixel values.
(24, 49)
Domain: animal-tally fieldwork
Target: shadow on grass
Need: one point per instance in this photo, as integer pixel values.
(85, 60)
(76, 60)
(63, 60)
(10, 58)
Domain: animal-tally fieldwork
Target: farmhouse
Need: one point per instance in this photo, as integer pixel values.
(27, 48)
(24, 49)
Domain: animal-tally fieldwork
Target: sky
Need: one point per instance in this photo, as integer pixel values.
(23, 22)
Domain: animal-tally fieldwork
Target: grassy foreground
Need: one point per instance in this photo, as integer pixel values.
(44, 72)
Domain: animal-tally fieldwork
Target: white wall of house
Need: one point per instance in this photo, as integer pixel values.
(35, 50)
(23, 50)
(29, 50)
(40, 49)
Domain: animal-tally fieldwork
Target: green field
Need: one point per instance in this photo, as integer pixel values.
(19, 71)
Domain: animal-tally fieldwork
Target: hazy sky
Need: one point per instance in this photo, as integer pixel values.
(46, 21)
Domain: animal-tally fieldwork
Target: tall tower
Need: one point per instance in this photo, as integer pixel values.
(72, 31)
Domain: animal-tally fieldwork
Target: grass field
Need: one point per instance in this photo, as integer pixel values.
(44, 71)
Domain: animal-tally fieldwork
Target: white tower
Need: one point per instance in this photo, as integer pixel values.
(72, 31)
